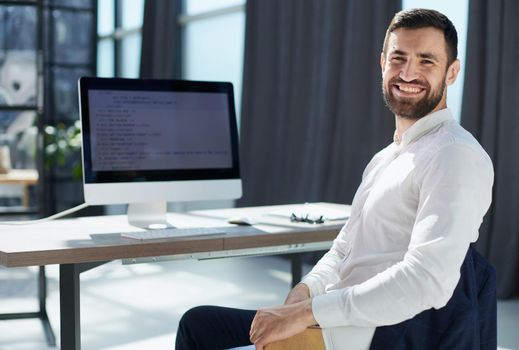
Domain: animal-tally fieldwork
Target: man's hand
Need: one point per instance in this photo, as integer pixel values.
(281, 322)
(299, 293)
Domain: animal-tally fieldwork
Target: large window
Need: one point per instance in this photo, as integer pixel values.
(44, 47)
(457, 11)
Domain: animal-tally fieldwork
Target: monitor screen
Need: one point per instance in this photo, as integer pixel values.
(158, 140)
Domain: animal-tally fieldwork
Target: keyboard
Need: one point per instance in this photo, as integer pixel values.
(173, 232)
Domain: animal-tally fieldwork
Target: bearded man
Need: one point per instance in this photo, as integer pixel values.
(413, 218)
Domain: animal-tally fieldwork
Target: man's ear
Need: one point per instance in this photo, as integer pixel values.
(382, 61)
(452, 72)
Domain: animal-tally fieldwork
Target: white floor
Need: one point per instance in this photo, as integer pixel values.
(138, 306)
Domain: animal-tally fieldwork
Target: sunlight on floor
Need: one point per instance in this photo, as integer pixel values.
(135, 307)
(139, 306)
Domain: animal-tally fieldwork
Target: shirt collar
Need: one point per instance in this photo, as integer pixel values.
(423, 125)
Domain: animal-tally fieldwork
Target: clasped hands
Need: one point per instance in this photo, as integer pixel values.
(281, 322)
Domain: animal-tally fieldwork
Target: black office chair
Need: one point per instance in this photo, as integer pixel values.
(468, 321)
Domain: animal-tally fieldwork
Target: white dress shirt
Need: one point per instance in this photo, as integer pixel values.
(419, 206)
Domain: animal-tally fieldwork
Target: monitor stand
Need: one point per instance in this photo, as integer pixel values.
(148, 215)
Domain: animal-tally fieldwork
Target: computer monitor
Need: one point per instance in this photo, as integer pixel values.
(148, 142)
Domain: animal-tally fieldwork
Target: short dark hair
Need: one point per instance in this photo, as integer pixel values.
(422, 18)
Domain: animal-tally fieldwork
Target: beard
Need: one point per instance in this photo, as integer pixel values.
(407, 108)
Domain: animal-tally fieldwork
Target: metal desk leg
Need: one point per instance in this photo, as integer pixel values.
(69, 306)
(297, 268)
(70, 321)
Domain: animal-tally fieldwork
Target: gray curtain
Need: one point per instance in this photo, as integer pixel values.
(161, 40)
(312, 110)
(491, 112)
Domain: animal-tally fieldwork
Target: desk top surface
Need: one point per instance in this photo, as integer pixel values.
(93, 239)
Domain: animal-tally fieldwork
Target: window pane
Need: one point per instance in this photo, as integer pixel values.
(72, 36)
(105, 17)
(6, 119)
(105, 58)
(132, 13)
(18, 77)
(18, 55)
(198, 6)
(65, 92)
(18, 28)
(131, 55)
(214, 50)
(18, 132)
(457, 11)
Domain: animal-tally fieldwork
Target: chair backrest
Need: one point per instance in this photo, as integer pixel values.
(468, 321)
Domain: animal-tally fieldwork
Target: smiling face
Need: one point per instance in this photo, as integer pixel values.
(415, 73)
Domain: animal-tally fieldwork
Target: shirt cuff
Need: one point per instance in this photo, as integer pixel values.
(313, 284)
(328, 309)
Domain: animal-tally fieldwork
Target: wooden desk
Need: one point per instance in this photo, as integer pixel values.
(78, 245)
(23, 177)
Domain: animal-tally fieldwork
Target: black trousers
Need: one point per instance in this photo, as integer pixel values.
(214, 328)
